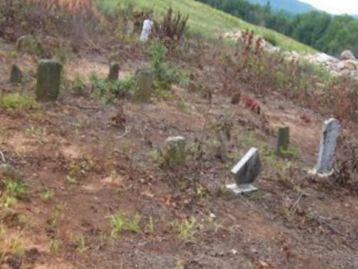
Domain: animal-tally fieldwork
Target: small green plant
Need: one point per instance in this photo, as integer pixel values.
(121, 222)
(108, 90)
(117, 222)
(17, 101)
(47, 195)
(55, 246)
(165, 74)
(15, 188)
(150, 226)
(183, 106)
(185, 228)
(80, 243)
(78, 85)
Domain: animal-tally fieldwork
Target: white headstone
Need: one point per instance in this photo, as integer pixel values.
(245, 172)
(327, 149)
(146, 30)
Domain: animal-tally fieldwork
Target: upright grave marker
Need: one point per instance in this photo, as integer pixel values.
(174, 151)
(48, 80)
(327, 148)
(16, 74)
(113, 71)
(283, 140)
(245, 172)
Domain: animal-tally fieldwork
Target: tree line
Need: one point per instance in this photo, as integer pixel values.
(320, 30)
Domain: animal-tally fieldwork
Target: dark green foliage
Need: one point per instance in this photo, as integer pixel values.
(48, 80)
(320, 30)
(165, 74)
(109, 90)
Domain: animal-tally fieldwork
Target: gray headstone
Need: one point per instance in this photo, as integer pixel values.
(331, 130)
(113, 71)
(283, 139)
(174, 152)
(245, 172)
(48, 80)
(144, 85)
(16, 74)
(248, 168)
(146, 30)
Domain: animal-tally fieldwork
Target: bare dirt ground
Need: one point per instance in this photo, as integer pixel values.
(94, 169)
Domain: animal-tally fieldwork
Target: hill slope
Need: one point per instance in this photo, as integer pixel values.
(205, 20)
(292, 6)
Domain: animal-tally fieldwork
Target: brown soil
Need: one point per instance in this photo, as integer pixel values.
(95, 170)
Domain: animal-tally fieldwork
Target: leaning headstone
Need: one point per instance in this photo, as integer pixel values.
(245, 172)
(16, 75)
(113, 71)
(174, 152)
(146, 30)
(144, 85)
(327, 148)
(283, 140)
(48, 80)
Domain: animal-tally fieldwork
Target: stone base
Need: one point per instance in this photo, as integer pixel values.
(241, 189)
(314, 172)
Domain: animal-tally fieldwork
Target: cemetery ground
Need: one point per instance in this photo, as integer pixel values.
(92, 191)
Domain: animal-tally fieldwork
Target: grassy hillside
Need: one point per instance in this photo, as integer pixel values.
(205, 20)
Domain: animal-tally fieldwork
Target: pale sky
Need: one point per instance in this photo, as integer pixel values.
(335, 6)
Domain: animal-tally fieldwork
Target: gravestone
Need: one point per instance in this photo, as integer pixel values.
(174, 152)
(48, 80)
(283, 140)
(16, 75)
(245, 172)
(146, 30)
(144, 85)
(327, 148)
(113, 71)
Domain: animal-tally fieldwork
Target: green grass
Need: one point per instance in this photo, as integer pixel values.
(204, 20)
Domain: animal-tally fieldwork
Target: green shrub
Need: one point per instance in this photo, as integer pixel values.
(17, 101)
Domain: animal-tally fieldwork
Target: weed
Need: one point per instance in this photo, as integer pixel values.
(185, 228)
(79, 86)
(150, 226)
(17, 102)
(183, 106)
(117, 222)
(15, 188)
(80, 243)
(55, 246)
(121, 222)
(108, 90)
(47, 195)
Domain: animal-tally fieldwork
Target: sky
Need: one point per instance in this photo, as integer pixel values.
(335, 6)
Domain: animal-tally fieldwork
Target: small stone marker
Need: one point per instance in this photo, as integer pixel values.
(16, 75)
(113, 71)
(245, 172)
(283, 140)
(48, 80)
(144, 85)
(146, 30)
(174, 152)
(327, 148)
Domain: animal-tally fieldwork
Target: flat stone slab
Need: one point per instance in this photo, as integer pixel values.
(241, 189)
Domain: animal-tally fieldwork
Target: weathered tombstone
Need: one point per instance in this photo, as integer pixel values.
(16, 75)
(283, 140)
(245, 172)
(48, 80)
(146, 30)
(113, 71)
(174, 152)
(327, 148)
(144, 85)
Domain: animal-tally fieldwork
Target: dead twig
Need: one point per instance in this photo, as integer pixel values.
(3, 160)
